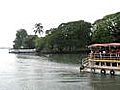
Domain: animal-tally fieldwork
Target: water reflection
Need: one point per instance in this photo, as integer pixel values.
(101, 82)
(51, 72)
(67, 58)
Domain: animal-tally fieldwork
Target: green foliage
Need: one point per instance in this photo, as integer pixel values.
(107, 29)
(38, 28)
(39, 43)
(23, 40)
(69, 36)
(30, 42)
(21, 35)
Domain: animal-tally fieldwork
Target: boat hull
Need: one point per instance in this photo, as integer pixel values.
(98, 71)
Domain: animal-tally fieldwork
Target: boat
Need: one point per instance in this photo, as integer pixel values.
(103, 59)
(22, 50)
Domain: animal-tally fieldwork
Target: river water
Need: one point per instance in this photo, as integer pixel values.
(49, 72)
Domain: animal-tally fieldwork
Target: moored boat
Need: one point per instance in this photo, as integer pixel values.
(103, 59)
(22, 50)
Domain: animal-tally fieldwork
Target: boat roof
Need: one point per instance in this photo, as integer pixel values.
(104, 45)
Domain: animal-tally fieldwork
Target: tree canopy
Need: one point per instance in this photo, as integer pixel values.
(69, 36)
(107, 29)
(21, 35)
(23, 40)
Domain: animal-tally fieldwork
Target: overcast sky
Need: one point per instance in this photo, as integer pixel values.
(17, 14)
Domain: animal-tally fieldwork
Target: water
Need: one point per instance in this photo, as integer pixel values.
(49, 72)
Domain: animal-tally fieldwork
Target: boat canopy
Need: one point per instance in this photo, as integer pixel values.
(104, 45)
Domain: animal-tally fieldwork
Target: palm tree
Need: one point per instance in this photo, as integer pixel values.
(38, 28)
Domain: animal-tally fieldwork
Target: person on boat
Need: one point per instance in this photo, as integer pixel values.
(118, 53)
(100, 53)
(104, 53)
(91, 54)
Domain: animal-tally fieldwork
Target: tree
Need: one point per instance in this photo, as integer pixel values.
(19, 41)
(39, 43)
(76, 34)
(29, 42)
(38, 28)
(71, 36)
(107, 29)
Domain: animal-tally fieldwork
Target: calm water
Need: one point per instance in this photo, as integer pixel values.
(49, 72)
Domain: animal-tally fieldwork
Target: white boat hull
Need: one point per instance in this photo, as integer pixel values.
(98, 71)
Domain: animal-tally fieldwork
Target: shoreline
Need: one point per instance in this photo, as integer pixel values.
(63, 52)
(18, 51)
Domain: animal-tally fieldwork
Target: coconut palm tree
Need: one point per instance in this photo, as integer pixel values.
(38, 28)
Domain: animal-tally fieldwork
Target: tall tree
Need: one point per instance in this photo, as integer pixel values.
(38, 28)
(71, 36)
(107, 29)
(19, 41)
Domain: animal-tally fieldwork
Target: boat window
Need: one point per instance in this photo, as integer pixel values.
(114, 64)
(118, 64)
(107, 63)
(97, 63)
(102, 63)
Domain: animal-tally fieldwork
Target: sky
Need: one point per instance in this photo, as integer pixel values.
(23, 14)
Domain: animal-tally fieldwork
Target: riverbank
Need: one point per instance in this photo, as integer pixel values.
(38, 52)
(63, 52)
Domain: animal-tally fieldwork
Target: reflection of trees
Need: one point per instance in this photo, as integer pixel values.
(67, 58)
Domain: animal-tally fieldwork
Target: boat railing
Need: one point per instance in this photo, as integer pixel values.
(85, 61)
(109, 56)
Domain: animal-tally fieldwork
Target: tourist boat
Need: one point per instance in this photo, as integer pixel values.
(103, 59)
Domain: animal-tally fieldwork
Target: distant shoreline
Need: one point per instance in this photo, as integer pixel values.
(18, 51)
